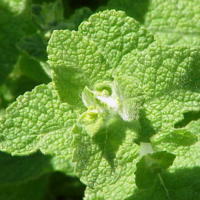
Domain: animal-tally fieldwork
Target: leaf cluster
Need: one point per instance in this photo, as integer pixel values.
(103, 101)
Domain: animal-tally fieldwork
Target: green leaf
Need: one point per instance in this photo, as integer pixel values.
(15, 170)
(38, 120)
(180, 137)
(75, 19)
(63, 164)
(183, 180)
(150, 166)
(76, 63)
(13, 23)
(183, 184)
(107, 160)
(174, 22)
(185, 145)
(169, 80)
(33, 70)
(26, 75)
(171, 22)
(130, 96)
(48, 15)
(34, 46)
(91, 194)
(99, 48)
(115, 34)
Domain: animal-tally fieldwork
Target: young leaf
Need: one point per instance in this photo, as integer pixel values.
(130, 96)
(76, 63)
(115, 34)
(38, 120)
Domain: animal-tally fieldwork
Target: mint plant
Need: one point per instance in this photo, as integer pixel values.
(114, 114)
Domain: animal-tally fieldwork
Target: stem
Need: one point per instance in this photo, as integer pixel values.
(163, 184)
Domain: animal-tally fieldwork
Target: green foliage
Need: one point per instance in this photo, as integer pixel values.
(110, 98)
(13, 23)
(33, 190)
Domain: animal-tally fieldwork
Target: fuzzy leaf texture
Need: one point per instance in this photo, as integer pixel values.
(38, 120)
(166, 76)
(172, 22)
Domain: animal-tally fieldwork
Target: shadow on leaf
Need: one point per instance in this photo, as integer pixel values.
(183, 184)
(110, 137)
